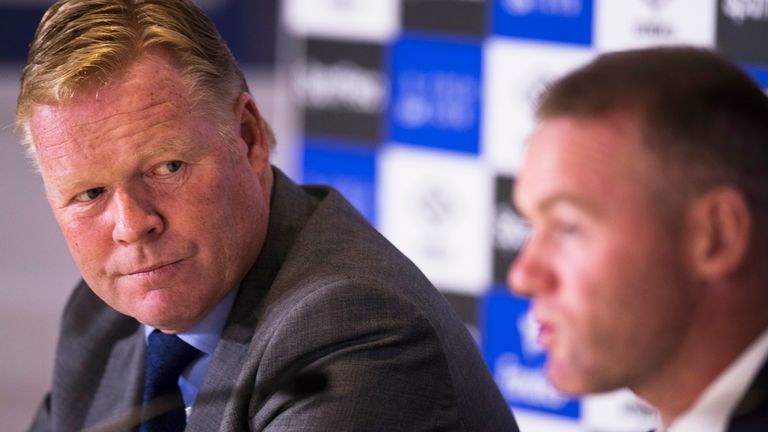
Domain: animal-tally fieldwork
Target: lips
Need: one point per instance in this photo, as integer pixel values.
(153, 269)
(546, 327)
(546, 334)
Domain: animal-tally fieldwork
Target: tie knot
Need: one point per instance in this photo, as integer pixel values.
(167, 357)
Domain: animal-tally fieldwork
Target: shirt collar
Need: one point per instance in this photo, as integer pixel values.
(713, 408)
(206, 333)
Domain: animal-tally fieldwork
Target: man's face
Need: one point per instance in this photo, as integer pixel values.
(162, 215)
(605, 272)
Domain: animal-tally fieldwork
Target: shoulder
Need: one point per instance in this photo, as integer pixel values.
(87, 317)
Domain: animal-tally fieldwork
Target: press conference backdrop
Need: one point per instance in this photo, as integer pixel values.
(417, 110)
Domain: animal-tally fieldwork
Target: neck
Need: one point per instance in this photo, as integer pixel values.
(713, 344)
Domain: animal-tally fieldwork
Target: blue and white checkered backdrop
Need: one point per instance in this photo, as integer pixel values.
(418, 111)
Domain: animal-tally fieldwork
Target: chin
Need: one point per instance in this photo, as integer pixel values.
(163, 315)
(566, 381)
(165, 323)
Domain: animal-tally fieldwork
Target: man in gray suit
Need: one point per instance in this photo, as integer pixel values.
(646, 184)
(212, 284)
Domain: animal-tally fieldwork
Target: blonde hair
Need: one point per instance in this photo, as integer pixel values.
(81, 43)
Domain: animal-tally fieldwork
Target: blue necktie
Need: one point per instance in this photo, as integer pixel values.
(167, 357)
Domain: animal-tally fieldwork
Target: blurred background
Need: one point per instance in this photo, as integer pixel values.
(417, 111)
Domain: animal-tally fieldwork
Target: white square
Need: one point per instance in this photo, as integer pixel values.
(515, 73)
(368, 20)
(630, 24)
(436, 207)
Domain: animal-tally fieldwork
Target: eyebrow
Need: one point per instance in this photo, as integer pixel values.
(546, 205)
(170, 145)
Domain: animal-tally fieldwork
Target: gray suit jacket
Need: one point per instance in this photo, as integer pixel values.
(327, 293)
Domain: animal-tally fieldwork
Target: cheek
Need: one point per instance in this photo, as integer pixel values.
(85, 238)
(220, 210)
(600, 286)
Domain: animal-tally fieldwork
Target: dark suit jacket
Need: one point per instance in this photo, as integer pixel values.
(327, 293)
(751, 414)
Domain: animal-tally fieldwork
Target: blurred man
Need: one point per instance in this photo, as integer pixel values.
(646, 186)
(217, 294)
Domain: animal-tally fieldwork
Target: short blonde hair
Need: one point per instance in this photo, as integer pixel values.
(81, 43)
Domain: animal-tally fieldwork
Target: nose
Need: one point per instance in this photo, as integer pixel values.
(530, 274)
(135, 217)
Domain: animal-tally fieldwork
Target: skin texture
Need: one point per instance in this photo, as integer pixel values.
(163, 212)
(609, 279)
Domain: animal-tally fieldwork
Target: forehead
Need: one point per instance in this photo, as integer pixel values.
(150, 80)
(584, 158)
(151, 90)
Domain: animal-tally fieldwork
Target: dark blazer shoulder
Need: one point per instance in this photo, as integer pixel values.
(97, 363)
(329, 292)
(751, 414)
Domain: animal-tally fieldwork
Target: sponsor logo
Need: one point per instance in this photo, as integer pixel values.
(437, 207)
(566, 8)
(655, 27)
(342, 89)
(440, 99)
(423, 196)
(742, 10)
(436, 93)
(642, 23)
(341, 85)
(567, 21)
(516, 358)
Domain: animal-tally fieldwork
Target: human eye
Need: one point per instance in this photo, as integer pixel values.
(89, 195)
(168, 168)
(566, 229)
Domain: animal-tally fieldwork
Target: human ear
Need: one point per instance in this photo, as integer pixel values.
(720, 225)
(252, 131)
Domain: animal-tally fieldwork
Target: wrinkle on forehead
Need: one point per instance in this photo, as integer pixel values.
(69, 131)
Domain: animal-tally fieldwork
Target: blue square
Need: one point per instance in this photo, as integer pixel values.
(515, 358)
(436, 93)
(351, 170)
(568, 21)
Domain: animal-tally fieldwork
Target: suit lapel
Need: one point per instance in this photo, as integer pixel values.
(117, 400)
(223, 401)
(751, 414)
